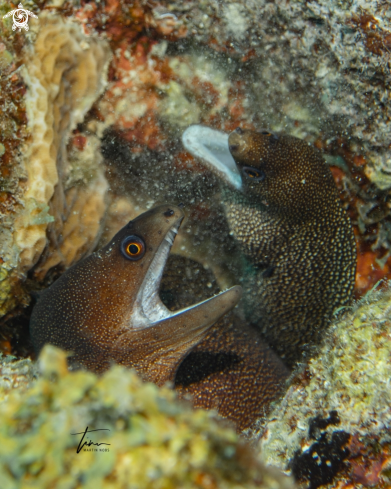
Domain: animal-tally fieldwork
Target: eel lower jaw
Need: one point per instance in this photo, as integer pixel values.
(211, 147)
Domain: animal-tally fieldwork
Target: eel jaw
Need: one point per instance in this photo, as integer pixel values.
(211, 147)
(148, 308)
(157, 339)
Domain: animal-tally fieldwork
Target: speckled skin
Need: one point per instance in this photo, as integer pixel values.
(89, 309)
(231, 370)
(296, 236)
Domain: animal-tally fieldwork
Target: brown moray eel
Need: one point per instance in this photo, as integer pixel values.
(234, 372)
(107, 309)
(283, 208)
(231, 370)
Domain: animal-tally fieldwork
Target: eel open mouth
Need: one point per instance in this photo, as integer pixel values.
(211, 147)
(149, 310)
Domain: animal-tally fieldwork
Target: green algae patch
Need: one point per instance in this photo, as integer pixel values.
(35, 213)
(151, 440)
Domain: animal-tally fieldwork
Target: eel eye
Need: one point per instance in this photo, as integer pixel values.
(133, 248)
(272, 135)
(254, 173)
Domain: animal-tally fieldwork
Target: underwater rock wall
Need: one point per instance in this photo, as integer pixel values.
(62, 72)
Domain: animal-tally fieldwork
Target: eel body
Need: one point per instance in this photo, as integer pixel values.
(283, 208)
(107, 309)
(232, 370)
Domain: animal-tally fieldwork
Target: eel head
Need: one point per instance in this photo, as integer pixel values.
(107, 309)
(285, 174)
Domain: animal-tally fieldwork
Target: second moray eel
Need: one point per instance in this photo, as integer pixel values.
(283, 208)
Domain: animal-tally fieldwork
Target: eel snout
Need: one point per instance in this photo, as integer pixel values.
(212, 148)
(107, 308)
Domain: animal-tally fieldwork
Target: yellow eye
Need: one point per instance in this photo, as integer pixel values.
(272, 135)
(254, 173)
(133, 248)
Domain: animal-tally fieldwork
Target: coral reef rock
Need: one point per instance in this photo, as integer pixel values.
(333, 425)
(15, 374)
(63, 72)
(151, 441)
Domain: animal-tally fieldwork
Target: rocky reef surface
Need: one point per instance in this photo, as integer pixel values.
(332, 428)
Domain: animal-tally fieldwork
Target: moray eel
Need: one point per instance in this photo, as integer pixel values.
(283, 208)
(231, 370)
(234, 372)
(106, 308)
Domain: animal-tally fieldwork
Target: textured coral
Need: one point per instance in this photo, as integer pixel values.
(15, 374)
(84, 211)
(63, 73)
(153, 441)
(341, 400)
